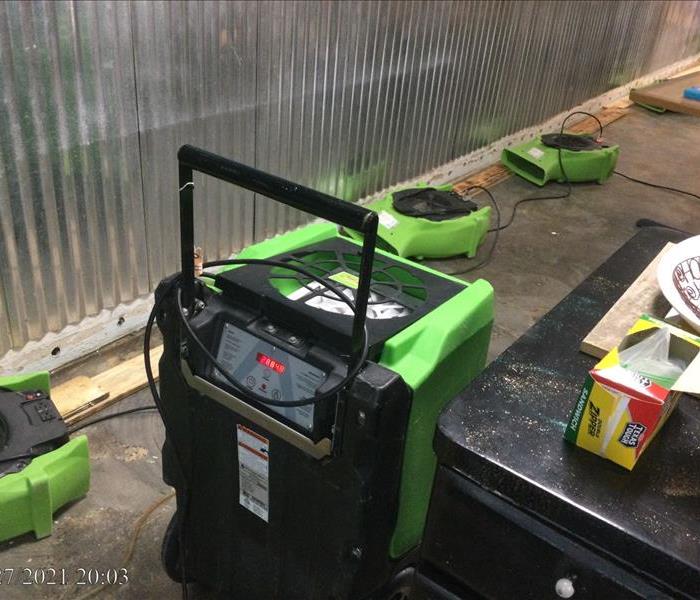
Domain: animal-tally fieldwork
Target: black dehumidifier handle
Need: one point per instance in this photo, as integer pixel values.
(311, 201)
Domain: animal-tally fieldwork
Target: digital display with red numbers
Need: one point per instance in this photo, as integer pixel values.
(271, 363)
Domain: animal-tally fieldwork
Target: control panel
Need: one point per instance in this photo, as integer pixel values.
(270, 371)
(30, 425)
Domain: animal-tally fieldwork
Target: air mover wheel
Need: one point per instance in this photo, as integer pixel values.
(170, 550)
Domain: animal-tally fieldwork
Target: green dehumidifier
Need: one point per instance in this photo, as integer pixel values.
(300, 388)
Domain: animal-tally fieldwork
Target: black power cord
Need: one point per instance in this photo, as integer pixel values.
(658, 186)
(112, 416)
(183, 511)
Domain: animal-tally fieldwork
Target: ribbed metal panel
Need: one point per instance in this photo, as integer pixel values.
(355, 96)
(71, 210)
(347, 97)
(195, 65)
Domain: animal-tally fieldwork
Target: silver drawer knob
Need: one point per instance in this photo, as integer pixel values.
(564, 587)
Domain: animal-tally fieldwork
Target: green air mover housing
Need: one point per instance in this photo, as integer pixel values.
(31, 497)
(41, 470)
(411, 236)
(538, 161)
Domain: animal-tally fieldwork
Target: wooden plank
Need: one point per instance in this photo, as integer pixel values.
(489, 177)
(668, 94)
(76, 393)
(120, 381)
(497, 173)
(606, 116)
(643, 296)
(130, 376)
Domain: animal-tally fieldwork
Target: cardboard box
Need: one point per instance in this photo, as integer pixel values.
(619, 411)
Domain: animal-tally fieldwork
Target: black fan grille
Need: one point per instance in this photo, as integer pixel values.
(569, 141)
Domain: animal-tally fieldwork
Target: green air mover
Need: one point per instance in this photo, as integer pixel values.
(40, 469)
(300, 389)
(583, 157)
(429, 222)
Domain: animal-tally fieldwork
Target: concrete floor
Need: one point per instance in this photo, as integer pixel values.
(550, 248)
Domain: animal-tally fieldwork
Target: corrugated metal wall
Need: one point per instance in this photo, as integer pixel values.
(347, 97)
(71, 204)
(195, 72)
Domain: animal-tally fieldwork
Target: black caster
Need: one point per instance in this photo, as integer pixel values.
(400, 586)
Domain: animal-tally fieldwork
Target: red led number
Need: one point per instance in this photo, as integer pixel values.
(271, 363)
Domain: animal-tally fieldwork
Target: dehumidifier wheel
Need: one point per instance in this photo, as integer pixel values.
(170, 550)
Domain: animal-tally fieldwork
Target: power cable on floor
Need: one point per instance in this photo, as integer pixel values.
(658, 186)
(112, 416)
(131, 546)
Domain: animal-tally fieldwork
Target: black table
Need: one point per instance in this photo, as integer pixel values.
(515, 508)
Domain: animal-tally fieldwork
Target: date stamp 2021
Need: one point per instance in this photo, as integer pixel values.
(60, 576)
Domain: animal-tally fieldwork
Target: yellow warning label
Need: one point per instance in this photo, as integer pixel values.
(346, 279)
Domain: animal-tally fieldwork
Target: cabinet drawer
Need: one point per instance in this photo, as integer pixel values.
(485, 544)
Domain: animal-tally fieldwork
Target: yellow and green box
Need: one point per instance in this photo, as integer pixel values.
(619, 411)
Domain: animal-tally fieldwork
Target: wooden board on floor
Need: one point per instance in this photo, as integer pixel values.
(668, 94)
(606, 116)
(489, 177)
(82, 397)
(76, 393)
(128, 377)
(643, 296)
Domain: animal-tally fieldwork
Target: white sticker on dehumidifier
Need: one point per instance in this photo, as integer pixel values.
(253, 470)
(536, 153)
(387, 220)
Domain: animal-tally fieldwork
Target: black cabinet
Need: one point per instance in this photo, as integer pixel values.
(516, 509)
